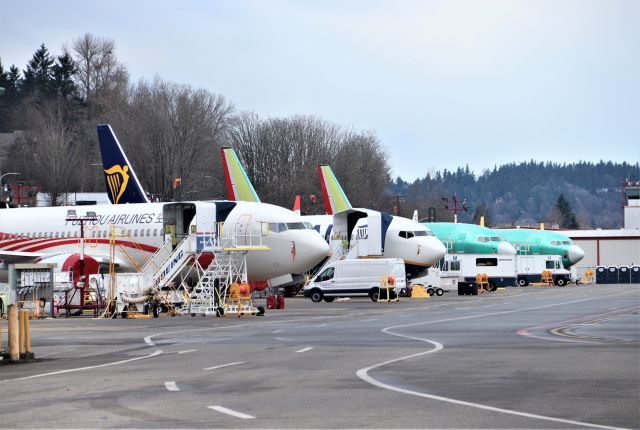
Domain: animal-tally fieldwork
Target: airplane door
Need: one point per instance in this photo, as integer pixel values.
(206, 226)
(243, 230)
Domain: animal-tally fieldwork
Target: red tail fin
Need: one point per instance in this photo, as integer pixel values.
(296, 205)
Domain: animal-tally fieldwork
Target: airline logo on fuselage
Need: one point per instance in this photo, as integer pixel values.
(117, 180)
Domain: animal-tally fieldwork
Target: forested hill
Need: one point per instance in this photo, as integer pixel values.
(521, 193)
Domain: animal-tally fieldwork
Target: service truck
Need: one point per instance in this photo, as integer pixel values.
(529, 269)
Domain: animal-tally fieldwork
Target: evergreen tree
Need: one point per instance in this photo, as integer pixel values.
(482, 211)
(37, 77)
(62, 74)
(568, 218)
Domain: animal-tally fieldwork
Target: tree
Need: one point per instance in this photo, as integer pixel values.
(567, 216)
(482, 211)
(50, 151)
(37, 76)
(63, 73)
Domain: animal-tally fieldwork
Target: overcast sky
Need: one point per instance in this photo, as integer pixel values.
(442, 83)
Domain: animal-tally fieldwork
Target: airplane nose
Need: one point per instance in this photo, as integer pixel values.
(505, 248)
(575, 254)
(311, 251)
(436, 250)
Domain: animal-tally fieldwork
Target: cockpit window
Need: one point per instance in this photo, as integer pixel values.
(406, 234)
(420, 233)
(309, 226)
(483, 239)
(277, 227)
(410, 234)
(496, 239)
(296, 226)
(566, 242)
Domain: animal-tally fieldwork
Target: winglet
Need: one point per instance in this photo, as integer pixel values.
(415, 215)
(123, 185)
(239, 187)
(335, 200)
(296, 205)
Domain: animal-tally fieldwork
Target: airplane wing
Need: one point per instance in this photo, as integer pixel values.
(20, 257)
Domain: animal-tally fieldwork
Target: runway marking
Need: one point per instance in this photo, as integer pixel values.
(148, 340)
(185, 351)
(437, 346)
(370, 319)
(231, 412)
(276, 331)
(308, 348)
(323, 325)
(78, 369)
(171, 386)
(224, 365)
(564, 333)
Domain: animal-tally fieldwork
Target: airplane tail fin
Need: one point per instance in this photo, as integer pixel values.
(123, 185)
(239, 187)
(335, 200)
(296, 205)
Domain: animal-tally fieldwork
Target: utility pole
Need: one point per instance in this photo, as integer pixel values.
(455, 208)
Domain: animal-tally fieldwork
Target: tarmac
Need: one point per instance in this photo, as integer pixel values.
(530, 357)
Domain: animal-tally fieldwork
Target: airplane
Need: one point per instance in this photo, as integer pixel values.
(52, 234)
(544, 242)
(400, 237)
(462, 238)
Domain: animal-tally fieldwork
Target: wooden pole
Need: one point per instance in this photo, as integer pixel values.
(21, 329)
(14, 352)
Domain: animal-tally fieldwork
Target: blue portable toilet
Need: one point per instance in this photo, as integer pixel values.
(624, 275)
(601, 275)
(612, 275)
(635, 274)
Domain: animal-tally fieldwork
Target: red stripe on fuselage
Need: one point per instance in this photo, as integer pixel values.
(51, 243)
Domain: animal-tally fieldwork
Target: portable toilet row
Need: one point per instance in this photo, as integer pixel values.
(618, 275)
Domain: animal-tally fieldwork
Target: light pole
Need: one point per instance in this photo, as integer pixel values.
(1, 186)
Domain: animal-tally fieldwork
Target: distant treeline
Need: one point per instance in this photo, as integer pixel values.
(524, 193)
(169, 131)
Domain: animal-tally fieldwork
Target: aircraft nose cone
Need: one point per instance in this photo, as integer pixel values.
(505, 248)
(575, 254)
(311, 251)
(436, 251)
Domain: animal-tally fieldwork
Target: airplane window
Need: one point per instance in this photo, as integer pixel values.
(403, 234)
(420, 233)
(148, 232)
(277, 227)
(128, 232)
(566, 242)
(135, 232)
(56, 234)
(550, 264)
(155, 231)
(296, 226)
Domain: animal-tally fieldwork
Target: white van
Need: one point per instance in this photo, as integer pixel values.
(359, 277)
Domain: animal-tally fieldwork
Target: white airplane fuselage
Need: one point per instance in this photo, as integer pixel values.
(422, 250)
(46, 233)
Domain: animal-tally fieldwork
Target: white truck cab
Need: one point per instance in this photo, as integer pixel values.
(357, 277)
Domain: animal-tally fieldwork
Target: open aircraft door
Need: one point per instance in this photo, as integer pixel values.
(206, 227)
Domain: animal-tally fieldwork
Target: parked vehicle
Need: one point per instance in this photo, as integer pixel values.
(357, 277)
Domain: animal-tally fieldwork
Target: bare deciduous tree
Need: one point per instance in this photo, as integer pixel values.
(281, 156)
(50, 151)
